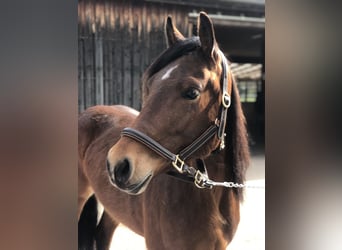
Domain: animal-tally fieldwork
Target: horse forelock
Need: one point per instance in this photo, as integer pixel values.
(169, 55)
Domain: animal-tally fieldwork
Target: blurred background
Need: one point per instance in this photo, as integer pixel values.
(40, 86)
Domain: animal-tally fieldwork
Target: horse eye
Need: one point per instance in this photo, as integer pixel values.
(191, 94)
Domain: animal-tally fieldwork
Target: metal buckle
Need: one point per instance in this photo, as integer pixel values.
(222, 144)
(217, 122)
(175, 164)
(200, 180)
(225, 99)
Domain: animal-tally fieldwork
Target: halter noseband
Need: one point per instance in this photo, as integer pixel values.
(178, 160)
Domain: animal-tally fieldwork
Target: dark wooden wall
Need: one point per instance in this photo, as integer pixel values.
(117, 40)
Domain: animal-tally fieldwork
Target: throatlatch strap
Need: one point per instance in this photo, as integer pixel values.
(198, 143)
(225, 101)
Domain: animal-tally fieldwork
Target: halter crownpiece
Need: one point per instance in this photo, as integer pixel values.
(200, 179)
(225, 101)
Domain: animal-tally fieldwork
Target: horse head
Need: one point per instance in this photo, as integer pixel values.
(182, 97)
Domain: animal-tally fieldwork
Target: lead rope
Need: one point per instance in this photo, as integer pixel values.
(207, 183)
(202, 180)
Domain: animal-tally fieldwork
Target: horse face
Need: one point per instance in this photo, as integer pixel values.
(181, 100)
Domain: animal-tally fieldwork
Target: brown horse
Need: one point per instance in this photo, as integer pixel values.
(186, 95)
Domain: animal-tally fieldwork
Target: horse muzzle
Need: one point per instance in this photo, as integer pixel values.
(120, 177)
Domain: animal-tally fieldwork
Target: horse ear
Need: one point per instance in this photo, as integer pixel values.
(207, 35)
(172, 33)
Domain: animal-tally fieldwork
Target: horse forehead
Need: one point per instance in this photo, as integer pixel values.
(168, 72)
(183, 68)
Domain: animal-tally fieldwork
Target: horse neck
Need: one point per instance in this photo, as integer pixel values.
(217, 167)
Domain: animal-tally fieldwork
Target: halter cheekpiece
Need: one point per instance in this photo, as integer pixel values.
(200, 178)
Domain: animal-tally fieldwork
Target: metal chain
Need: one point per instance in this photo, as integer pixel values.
(231, 184)
(202, 181)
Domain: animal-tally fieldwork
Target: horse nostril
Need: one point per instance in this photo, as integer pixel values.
(122, 172)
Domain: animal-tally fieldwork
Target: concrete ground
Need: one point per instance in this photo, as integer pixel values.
(251, 231)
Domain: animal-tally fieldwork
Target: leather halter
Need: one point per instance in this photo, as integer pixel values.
(178, 160)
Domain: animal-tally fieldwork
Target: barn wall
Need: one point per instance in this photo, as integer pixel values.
(117, 41)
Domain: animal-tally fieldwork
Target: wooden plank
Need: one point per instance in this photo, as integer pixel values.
(88, 55)
(99, 96)
(108, 85)
(81, 57)
(110, 55)
(142, 45)
(98, 49)
(143, 41)
(136, 94)
(81, 104)
(117, 57)
(105, 69)
(106, 53)
(126, 58)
